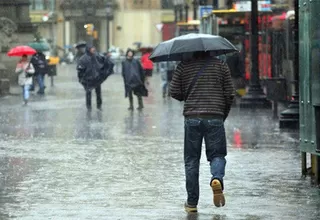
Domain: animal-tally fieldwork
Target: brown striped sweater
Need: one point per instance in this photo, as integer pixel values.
(213, 92)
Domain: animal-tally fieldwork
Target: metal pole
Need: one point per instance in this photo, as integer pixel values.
(108, 33)
(296, 47)
(255, 98)
(215, 4)
(175, 14)
(195, 4)
(180, 13)
(52, 81)
(186, 7)
(290, 117)
(254, 44)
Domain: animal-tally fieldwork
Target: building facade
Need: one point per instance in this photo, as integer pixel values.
(44, 14)
(15, 29)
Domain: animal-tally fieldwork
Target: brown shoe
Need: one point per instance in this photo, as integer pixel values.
(190, 208)
(218, 197)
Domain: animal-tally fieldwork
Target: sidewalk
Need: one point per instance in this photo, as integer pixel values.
(59, 162)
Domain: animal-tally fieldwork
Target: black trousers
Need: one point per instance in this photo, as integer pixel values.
(140, 101)
(89, 98)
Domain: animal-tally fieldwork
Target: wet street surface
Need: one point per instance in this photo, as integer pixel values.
(57, 161)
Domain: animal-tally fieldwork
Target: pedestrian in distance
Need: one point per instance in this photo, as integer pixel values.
(147, 65)
(25, 70)
(89, 67)
(41, 66)
(80, 50)
(167, 69)
(237, 68)
(204, 84)
(133, 76)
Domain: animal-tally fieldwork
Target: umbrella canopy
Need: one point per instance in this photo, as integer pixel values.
(39, 46)
(146, 48)
(177, 48)
(21, 50)
(81, 44)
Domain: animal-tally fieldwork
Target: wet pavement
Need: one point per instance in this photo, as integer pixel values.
(59, 162)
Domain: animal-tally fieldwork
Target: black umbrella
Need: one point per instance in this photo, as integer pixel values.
(178, 48)
(81, 44)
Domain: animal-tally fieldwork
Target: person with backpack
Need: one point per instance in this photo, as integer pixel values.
(41, 69)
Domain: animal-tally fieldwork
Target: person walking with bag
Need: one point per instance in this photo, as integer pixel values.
(25, 70)
(204, 83)
(133, 77)
(89, 68)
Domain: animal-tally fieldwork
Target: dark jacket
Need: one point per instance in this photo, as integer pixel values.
(236, 65)
(89, 68)
(40, 63)
(213, 92)
(133, 75)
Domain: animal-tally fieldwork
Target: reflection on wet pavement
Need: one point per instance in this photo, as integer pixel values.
(57, 161)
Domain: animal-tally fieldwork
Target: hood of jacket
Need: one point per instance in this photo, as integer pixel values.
(88, 47)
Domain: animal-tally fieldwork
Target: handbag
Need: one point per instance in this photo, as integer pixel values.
(194, 80)
(26, 71)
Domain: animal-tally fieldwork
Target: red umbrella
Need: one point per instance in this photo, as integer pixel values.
(21, 50)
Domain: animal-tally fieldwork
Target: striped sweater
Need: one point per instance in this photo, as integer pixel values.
(213, 92)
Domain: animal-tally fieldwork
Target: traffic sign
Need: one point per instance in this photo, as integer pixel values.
(205, 10)
(245, 6)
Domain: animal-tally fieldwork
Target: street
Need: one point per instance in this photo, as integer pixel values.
(57, 161)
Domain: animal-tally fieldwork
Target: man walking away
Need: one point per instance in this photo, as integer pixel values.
(205, 84)
(89, 67)
(133, 76)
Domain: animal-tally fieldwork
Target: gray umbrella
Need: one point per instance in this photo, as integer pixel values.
(178, 48)
(81, 44)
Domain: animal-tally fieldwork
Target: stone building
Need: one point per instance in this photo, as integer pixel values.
(15, 29)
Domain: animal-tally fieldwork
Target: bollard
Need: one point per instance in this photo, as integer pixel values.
(317, 118)
(52, 81)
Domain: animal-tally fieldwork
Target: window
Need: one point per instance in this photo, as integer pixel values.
(166, 4)
(42, 5)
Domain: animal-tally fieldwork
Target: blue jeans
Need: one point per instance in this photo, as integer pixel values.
(25, 92)
(40, 79)
(213, 133)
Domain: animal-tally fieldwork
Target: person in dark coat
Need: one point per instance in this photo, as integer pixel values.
(133, 76)
(41, 69)
(89, 67)
(236, 66)
(81, 50)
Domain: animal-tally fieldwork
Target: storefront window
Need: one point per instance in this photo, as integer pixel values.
(42, 5)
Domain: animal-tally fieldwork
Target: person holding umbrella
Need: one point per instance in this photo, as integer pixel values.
(24, 68)
(204, 83)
